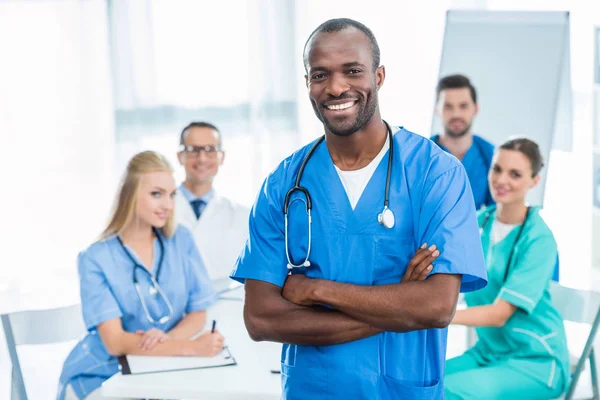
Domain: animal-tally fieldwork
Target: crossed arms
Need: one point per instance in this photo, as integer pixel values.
(295, 314)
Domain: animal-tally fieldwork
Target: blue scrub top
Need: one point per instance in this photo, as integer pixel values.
(477, 161)
(108, 292)
(432, 201)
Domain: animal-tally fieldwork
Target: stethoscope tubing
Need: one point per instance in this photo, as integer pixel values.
(308, 200)
(155, 285)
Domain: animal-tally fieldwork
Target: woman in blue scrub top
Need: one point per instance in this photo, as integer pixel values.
(521, 350)
(141, 243)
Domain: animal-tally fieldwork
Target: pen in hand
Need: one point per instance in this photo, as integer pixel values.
(213, 326)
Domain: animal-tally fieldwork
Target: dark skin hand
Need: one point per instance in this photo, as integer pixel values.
(269, 316)
(297, 287)
(401, 307)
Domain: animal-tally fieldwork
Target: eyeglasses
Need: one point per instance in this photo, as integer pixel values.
(194, 151)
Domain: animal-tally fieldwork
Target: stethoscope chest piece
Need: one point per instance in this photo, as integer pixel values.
(291, 266)
(386, 218)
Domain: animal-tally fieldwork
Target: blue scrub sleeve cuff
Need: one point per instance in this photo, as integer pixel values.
(469, 282)
(517, 299)
(202, 303)
(275, 279)
(93, 321)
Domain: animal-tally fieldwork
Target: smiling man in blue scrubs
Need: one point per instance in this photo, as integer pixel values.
(351, 326)
(457, 106)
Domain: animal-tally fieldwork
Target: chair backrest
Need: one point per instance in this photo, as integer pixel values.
(38, 327)
(584, 307)
(45, 326)
(575, 305)
(224, 285)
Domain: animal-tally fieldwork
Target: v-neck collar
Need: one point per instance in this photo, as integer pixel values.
(370, 202)
(155, 256)
(471, 155)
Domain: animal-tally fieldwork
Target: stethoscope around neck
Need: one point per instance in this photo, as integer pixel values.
(486, 218)
(155, 288)
(385, 218)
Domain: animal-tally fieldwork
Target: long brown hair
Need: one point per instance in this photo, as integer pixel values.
(126, 200)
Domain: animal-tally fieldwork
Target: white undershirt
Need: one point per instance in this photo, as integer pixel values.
(500, 230)
(356, 181)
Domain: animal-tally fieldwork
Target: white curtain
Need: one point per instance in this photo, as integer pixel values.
(228, 62)
(56, 138)
(56, 157)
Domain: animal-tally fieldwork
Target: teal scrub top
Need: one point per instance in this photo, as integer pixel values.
(534, 336)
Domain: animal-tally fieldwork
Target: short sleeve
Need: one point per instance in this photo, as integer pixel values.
(448, 220)
(201, 292)
(530, 274)
(98, 303)
(263, 257)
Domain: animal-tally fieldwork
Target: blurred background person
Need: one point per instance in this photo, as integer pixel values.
(219, 225)
(521, 350)
(144, 289)
(457, 106)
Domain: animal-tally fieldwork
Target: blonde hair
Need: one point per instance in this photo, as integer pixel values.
(126, 199)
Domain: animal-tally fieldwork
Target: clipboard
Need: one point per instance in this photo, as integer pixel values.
(138, 365)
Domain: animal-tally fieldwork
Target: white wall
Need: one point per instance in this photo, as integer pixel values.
(56, 141)
(568, 199)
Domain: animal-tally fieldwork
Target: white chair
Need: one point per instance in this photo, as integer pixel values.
(38, 327)
(582, 307)
(228, 289)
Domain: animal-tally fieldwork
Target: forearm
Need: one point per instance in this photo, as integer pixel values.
(190, 325)
(268, 316)
(494, 315)
(309, 326)
(396, 307)
(129, 343)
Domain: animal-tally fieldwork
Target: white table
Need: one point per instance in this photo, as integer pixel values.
(250, 379)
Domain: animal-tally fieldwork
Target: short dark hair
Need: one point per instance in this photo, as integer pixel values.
(199, 124)
(530, 149)
(456, 82)
(339, 24)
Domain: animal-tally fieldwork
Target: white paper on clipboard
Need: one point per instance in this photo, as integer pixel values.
(132, 365)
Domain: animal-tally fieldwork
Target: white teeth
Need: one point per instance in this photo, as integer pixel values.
(341, 106)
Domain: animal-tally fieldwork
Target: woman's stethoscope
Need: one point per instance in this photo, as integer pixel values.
(155, 289)
(486, 218)
(385, 218)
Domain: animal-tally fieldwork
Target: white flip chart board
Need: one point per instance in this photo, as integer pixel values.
(519, 62)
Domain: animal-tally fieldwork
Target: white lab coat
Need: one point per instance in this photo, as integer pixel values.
(220, 232)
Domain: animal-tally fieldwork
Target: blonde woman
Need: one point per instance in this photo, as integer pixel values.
(144, 288)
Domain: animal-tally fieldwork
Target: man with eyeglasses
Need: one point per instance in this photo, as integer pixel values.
(219, 225)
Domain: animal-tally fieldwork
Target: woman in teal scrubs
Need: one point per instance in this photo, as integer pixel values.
(521, 350)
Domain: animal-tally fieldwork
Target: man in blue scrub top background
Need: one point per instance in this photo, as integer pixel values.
(355, 324)
(457, 106)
